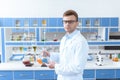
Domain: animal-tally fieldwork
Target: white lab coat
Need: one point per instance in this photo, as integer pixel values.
(72, 58)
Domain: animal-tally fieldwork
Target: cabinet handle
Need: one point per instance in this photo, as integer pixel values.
(43, 74)
(2, 75)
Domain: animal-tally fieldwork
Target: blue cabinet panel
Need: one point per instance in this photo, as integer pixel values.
(114, 22)
(61, 30)
(6, 75)
(118, 73)
(105, 74)
(104, 43)
(89, 74)
(21, 21)
(1, 22)
(3, 45)
(33, 21)
(59, 22)
(8, 22)
(45, 74)
(89, 79)
(114, 30)
(95, 22)
(105, 22)
(23, 75)
(86, 22)
(53, 22)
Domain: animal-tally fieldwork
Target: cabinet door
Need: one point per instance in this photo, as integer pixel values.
(105, 74)
(118, 73)
(114, 22)
(89, 74)
(89, 79)
(105, 22)
(23, 75)
(6, 75)
(45, 74)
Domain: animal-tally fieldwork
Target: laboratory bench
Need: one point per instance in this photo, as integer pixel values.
(16, 70)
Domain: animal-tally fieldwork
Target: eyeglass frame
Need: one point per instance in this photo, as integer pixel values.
(69, 21)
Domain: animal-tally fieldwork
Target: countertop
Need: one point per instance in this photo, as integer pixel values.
(16, 65)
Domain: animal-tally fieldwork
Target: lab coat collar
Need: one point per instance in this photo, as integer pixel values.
(72, 37)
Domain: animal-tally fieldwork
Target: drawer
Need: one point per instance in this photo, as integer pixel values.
(118, 73)
(23, 75)
(105, 74)
(89, 74)
(89, 79)
(45, 74)
(6, 75)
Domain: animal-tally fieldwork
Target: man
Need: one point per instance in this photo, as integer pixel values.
(70, 62)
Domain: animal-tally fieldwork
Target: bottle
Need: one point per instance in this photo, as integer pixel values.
(110, 57)
(39, 60)
(119, 55)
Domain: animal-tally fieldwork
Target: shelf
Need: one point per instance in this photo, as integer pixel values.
(24, 43)
(103, 51)
(105, 43)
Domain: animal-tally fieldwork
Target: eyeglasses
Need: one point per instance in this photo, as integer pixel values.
(69, 21)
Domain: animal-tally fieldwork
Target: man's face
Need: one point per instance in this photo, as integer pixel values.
(70, 23)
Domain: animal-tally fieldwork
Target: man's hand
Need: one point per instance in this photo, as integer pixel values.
(46, 53)
(51, 64)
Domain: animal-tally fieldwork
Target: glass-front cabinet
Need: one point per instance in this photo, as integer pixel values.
(22, 41)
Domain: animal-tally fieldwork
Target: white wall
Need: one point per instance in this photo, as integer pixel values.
(55, 8)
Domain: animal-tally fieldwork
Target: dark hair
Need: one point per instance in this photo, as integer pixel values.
(71, 12)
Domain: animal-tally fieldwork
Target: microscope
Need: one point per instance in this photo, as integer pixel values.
(99, 59)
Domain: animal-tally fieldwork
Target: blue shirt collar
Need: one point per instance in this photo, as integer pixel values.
(68, 36)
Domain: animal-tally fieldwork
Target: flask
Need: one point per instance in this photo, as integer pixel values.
(115, 59)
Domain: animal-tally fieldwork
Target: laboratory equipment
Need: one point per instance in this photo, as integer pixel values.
(99, 58)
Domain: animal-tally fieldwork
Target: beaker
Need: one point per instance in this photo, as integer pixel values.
(55, 37)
